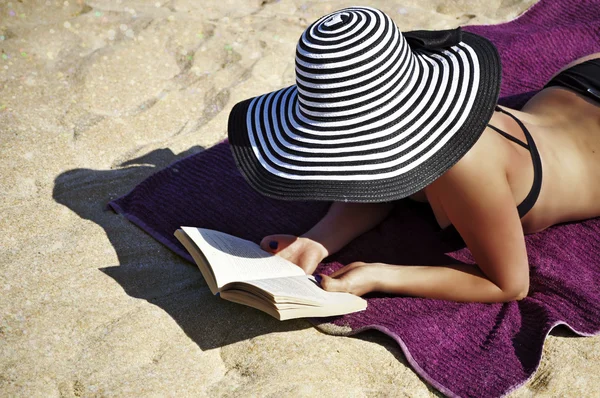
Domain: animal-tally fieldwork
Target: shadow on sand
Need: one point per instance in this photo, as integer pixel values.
(148, 270)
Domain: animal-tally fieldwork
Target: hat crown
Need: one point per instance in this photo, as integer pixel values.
(342, 57)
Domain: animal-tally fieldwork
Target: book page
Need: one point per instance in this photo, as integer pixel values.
(292, 297)
(235, 259)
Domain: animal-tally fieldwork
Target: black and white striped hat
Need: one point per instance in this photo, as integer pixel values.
(375, 115)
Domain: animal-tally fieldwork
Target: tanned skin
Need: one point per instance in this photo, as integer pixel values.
(479, 196)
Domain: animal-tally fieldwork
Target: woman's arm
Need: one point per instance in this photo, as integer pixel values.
(347, 221)
(479, 202)
(450, 282)
(342, 223)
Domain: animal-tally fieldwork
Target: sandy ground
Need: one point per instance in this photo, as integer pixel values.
(95, 96)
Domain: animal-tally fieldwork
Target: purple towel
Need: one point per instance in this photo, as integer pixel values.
(478, 350)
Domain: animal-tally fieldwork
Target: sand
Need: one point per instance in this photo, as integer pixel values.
(94, 97)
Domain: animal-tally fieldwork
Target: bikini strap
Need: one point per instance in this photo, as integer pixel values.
(509, 137)
(505, 135)
(531, 198)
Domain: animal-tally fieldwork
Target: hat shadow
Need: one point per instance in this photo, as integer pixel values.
(148, 270)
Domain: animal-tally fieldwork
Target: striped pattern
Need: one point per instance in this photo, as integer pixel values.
(365, 105)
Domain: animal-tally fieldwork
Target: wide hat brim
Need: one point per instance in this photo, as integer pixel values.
(276, 158)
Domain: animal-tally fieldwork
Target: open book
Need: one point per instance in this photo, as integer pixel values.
(240, 271)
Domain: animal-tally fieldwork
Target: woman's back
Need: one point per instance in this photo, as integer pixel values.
(569, 143)
(565, 127)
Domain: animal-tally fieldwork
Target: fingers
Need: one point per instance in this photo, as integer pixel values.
(333, 285)
(276, 243)
(350, 278)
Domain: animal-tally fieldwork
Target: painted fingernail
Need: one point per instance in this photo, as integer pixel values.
(318, 278)
(273, 244)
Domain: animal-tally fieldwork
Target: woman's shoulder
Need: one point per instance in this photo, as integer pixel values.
(475, 194)
(489, 155)
(482, 168)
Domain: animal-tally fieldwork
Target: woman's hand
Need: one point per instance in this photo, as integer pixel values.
(357, 278)
(342, 223)
(302, 251)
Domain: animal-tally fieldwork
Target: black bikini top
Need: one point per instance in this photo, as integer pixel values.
(531, 198)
